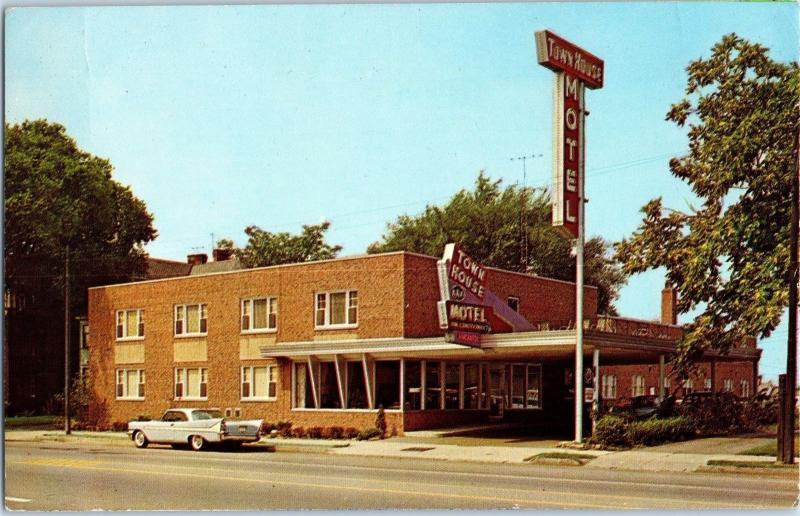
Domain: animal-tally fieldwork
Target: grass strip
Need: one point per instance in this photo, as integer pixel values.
(579, 459)
(26, 421)
(751, 464)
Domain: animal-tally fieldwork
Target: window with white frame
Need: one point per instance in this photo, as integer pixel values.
(191, 383)
(130, 324)
(191, 319)
(637, 385)
(259, 382)
(707, 384)
(688, 386)
(130, 384)
(259, 314)
(336, 309)
(727, 385)
(609, 386)
(744, 387)
(513, 303)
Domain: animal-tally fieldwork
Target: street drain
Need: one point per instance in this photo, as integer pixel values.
(417, 449)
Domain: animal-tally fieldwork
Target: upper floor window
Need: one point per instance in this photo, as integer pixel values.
(259, 314)
(688, 386)
(130, 324)
(513, 302)
(191, 319)
(336, 309)
(707, 384)
(637, 385)
(130, 384)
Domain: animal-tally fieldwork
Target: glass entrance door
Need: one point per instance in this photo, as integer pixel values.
(497, 390)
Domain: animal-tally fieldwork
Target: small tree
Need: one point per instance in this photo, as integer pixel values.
(265, 248)
(380, 421)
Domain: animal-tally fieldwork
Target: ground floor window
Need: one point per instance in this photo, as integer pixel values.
(328, 386)
(609, 386)
(472, 386)
(707, 384)
(191, 383)
(130, 384)
(303, 391)
(745, 388)
(452, 385)
(259, 382)
(433, 385)
(637, 385)
(387, 384)
(688, 386)
(727, 385)
(356, 387)
(413, 385)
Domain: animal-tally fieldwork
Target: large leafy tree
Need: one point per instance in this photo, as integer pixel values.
(728, 257)
(57, 195)
(266, 248)
(489, 222)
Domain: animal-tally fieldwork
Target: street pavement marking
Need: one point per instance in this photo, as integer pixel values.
(94, 465)
(14, 499)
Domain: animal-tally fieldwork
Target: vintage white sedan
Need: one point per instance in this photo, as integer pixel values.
(194, 426)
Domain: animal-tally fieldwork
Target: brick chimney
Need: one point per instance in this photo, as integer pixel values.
(669, 305)
(197, 259)
(220, 255)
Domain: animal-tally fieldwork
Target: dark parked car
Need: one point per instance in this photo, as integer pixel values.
(644, 407)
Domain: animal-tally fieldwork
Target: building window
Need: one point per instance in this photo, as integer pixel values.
(433, 385)
(259, 315)
(387, 384)
(336, 309)
(259, 382)
(637, 385)
(303, 393)
(130, 384)
(472, 385)
(513, 302)
(83, 334)
(356, 386)
(517, 386)
(413, 385)
(534, 387)
(328, 386)
(452, 385)
(707, 384)
(744, 385)
(130, 324)
(191, 319)
(609, 386)
(688, 386)
(191, 383)
(727, 385)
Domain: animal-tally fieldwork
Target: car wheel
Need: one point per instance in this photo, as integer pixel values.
(197, 442)
(140, 440)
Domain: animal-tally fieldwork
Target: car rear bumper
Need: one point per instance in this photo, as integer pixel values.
(239, 438)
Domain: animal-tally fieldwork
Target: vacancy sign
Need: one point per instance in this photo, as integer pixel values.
(576, 69)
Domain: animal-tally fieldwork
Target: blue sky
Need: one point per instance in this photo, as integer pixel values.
(224, 116)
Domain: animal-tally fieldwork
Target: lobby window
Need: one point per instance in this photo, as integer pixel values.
(191, 319)
(356, 387)
(336, 309)
(433, 385)
(387, 384)
(744, 386)
(130, 324)
(413, 385)
(525, 386)
(259, 382)
(259, 315)
(517, 386)
(727, 385)
(608, 384)
(328, 386)
(637, 385)
(513, 302)
(130, 384)
(533, 389)
(303, 395)
(191, 383)
(472, 384)
(452, 385)
(688, 386)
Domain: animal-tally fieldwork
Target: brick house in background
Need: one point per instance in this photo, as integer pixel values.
(325, 343)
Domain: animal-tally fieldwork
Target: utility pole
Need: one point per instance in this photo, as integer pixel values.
(523, 218)
(789, 400)
(66, 340)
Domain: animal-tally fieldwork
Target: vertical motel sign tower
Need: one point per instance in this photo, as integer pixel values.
(575, 70)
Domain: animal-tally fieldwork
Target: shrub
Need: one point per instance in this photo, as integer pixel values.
(368, 434)
(119, 426)
(298, 432)
(657, 431)
(334, 432)
(350, 433)
(267, 428)
(610, 431)
(761, 410)
(717, 415)
(380, 421)
(315, 432)
(284, 428)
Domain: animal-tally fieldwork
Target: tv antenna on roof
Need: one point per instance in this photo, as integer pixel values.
(523, 218)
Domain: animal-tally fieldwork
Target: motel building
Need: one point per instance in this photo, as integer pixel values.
(437, 342)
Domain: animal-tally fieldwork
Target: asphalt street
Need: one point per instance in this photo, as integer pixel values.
(61, 476)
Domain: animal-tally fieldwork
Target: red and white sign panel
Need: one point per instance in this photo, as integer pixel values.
(568, 153)
(463, 338)
(560, 55)
(468, 317)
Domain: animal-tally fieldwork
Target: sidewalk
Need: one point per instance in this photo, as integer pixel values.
(644, 459)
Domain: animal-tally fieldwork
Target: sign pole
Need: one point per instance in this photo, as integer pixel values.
(579, 283)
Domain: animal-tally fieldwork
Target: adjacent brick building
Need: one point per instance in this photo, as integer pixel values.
(325, 343)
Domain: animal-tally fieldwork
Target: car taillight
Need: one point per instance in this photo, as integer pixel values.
(223, 427)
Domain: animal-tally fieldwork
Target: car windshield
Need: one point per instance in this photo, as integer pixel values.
(199, 415)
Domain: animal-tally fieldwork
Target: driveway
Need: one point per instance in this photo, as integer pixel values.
(713, 445)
